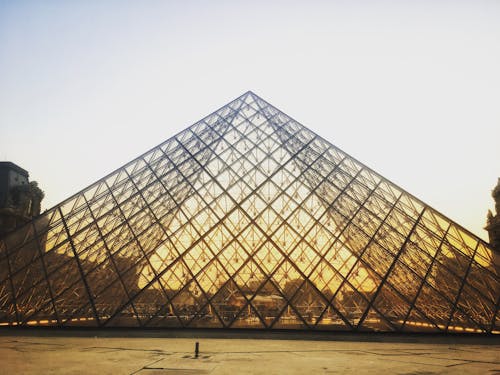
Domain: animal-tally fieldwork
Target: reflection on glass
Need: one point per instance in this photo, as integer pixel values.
(247, 220)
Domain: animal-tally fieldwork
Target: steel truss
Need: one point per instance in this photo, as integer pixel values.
(247, 219)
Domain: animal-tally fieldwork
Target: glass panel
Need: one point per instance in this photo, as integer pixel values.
(8, 314)
(478, 310)
(444, 281)
(484, 282)
(392, 308)
(33, 299)
(350, 304)
(331, 321)
(65, 278)
(309, 303)
(155, 309)
(375, 321)
(24, 281)
(45, 314)
(73, 305)
(434, 306)
(404, 281)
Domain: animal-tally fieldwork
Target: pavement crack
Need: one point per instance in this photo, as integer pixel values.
(111, 348)
(146, 366)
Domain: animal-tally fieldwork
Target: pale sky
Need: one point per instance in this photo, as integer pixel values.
(409, 88)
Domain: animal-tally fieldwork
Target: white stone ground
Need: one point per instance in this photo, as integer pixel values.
(41, 354)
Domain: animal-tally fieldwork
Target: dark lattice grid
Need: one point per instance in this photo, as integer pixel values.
(247, 219)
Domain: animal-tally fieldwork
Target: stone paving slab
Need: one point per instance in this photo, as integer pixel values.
(34, 354)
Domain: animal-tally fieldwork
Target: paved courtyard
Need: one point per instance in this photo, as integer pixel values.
(40, 353)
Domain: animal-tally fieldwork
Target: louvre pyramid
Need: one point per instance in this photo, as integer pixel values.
(247, 219)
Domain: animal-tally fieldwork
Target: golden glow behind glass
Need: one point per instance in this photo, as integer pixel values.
(248, 219)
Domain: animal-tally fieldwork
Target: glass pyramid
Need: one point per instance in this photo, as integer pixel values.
(247, 219)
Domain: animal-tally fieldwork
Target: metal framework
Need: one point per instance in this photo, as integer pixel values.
(247, 219)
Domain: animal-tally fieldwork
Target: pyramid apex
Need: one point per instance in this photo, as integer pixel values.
(250, 92)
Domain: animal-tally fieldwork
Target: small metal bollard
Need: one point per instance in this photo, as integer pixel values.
(196, 349)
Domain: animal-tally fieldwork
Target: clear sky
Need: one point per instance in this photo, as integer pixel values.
(410, 88)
